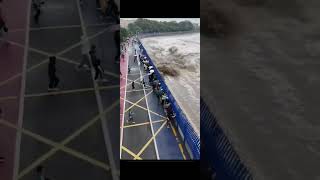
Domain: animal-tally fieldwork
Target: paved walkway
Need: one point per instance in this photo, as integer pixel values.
(73, 132)
(148, 137)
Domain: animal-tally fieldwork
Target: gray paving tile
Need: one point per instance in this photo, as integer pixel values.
(57, 117)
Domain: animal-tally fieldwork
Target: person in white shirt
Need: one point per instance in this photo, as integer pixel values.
(84, 51)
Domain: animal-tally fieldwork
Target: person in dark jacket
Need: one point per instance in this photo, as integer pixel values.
(98, 70)
(92, 51)
(36, 5)
(53, 79)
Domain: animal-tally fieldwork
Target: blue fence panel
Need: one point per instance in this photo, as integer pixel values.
(218, 150)
(191, 139)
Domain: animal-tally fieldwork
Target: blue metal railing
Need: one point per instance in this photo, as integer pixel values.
(218, 150)
(190, 137)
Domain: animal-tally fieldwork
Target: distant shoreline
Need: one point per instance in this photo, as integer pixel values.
(166, 34)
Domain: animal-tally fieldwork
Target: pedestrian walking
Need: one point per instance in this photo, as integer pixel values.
(135, 58)
(130, 120)
(41, 173)
(98, 70)
(93, 51)
(132, 84)
(53, 79)
(36, 5)
(84, 50)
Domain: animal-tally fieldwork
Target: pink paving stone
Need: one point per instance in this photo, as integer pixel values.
(11, 88)
(17, 37)
(15, 13)
(7, 150)
(10, 110)
(124, 71)
(11, 61)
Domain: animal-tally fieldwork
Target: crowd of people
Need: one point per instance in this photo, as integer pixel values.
(89, 61)
(154, 82)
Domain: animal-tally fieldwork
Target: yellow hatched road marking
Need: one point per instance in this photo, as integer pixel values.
(137, 102)
(70, 91)
(66, 141)
(141, 124)
(131, 153)
(150, 140)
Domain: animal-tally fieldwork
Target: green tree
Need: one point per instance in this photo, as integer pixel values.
(134, 28)
(123, 34)
(150, 26)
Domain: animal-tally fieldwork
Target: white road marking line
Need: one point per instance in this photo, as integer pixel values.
(99, 101)
(124, 105)
(155, 141)
(22, 92)
(58, 54)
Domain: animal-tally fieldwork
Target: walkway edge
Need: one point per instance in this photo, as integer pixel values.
(22, 92)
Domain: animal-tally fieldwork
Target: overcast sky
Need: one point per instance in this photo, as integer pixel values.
(193, 20)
